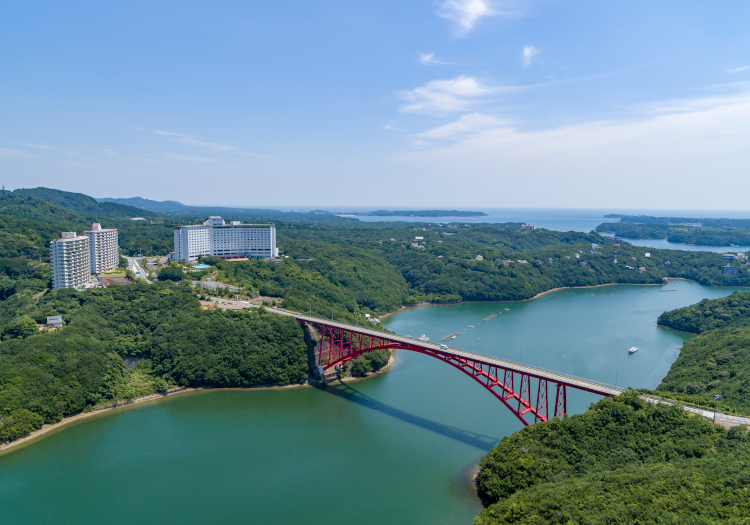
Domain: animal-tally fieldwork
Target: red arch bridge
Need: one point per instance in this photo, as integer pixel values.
(531, 393)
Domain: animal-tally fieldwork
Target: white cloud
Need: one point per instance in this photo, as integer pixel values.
(193, 159)
(673, 154)
(470, 123)
(528, 53)
(444, 96)
(466, 13)
(14, 154)
(428, 59)
(187, 139)
(737, 69)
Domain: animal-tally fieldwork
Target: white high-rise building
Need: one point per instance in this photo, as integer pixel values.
(104, 251)
(218, 238)
(71, 265)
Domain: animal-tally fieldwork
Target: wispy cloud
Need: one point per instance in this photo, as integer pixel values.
(428, 59)
(115, 155)
(193, 159)
(674, 147)
(188, 139)
(47, 147)
(444, 96)
(466, 13)
(14, 154)
(471, 123)
(737, 69)
(528, 54)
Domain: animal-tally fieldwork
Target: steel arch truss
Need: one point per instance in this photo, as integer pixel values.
(523, 393)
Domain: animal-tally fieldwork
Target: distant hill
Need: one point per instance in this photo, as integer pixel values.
(167, 207)
(422, 213)
(248, 214)
(87, 206)
(34, 209)
(681, 221)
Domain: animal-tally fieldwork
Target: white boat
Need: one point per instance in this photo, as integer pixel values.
(633, 350)
(424, 338)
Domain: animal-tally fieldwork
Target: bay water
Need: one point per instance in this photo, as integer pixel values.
(399, 447)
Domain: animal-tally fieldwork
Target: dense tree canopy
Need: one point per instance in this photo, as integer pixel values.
(622, 461)
(59, 373)
(709, 314)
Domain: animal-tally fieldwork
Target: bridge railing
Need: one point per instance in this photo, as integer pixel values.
(542, 371)
(480, 357)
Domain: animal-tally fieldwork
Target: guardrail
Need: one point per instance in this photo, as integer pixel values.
(459, 351)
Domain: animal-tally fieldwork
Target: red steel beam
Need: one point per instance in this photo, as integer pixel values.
(486, 374)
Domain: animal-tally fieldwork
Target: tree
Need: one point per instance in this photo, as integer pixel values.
(170, 273)
(21, 329)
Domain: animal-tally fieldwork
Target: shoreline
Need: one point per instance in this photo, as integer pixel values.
(540, 294)
(50, 428)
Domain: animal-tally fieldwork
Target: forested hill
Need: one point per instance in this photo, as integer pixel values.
(710, 314)
(717, 362)
(28, 224)
(245, 214)
(39, 210)
(705, 236)
(45, 376)
(87, 206)
(621, 461)
(678, 221)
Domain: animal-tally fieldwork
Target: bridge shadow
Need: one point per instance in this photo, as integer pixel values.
(473, 439)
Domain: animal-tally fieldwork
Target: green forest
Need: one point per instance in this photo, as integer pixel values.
(47, 375)
(622, 461)
(717, 362)
(704, 236)
(708, 314)
(709, 222)
(344, 269)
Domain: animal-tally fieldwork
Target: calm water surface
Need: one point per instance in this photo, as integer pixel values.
(393, 449)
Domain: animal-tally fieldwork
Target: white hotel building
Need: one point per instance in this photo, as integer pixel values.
(70, 261)
(220, 239)
(75, 257)
(104, 252)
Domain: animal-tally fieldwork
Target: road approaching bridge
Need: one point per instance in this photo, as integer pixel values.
(524, 389)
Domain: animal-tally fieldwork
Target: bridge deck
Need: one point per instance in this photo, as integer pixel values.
(577, 382)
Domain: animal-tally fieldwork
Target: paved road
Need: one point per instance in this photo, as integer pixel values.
(721, 418)
(135, 267)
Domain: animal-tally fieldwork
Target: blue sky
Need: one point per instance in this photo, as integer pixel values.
(473, 103)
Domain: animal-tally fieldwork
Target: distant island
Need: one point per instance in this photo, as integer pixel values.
(685, 230)
(419, 213)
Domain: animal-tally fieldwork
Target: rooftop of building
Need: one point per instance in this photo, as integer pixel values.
(70, 236)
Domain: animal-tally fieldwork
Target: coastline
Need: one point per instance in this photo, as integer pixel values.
(537, 296)
(53, 427)
(48, 429)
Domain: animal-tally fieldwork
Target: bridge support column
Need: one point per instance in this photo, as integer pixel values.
(541, 402)
(561, 402)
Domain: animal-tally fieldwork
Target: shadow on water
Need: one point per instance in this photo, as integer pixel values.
(473, 439)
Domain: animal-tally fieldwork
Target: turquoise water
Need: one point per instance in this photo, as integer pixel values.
(396, 448)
